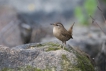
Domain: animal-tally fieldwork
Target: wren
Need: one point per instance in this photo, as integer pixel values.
(61, 33)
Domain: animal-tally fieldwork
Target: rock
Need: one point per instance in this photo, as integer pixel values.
(43, 57)
(100, 59)
(9, 29)
(17, 29)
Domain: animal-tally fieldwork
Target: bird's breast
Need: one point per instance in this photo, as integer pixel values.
(56, 31)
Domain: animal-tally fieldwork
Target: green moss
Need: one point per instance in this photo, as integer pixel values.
(29, 68)
(64, 57)
(84, 63)
(65, 63)
(52, 44)
(67, 49)
(52, 49)
(7, 69)
(39, 45)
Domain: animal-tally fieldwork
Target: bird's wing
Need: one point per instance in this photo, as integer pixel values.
(71, 29)
(66, 34)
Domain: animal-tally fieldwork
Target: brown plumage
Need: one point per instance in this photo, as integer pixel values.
(61, 33)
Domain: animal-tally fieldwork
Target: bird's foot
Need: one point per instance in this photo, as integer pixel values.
(60, 46)
(63, 47)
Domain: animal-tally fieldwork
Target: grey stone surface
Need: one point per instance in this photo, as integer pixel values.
(44, 56)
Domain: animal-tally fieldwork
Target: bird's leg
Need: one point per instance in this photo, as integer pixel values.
(60, 45)
(64, 44)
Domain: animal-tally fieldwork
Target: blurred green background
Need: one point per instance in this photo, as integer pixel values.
(83, 11)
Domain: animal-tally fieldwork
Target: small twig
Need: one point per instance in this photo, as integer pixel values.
(93, 20)
(99, 7)
(102, 13)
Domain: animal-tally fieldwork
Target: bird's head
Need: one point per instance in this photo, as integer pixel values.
(58, 25)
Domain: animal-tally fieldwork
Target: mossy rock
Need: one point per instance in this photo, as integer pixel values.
(54, 58)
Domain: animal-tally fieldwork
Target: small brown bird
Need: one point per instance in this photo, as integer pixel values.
(61, 33)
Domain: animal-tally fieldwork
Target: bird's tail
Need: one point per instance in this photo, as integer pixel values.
(71, 29)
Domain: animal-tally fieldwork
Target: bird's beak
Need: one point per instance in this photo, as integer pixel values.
(51, 24)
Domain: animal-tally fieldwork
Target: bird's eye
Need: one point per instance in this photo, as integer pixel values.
(57, 24)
